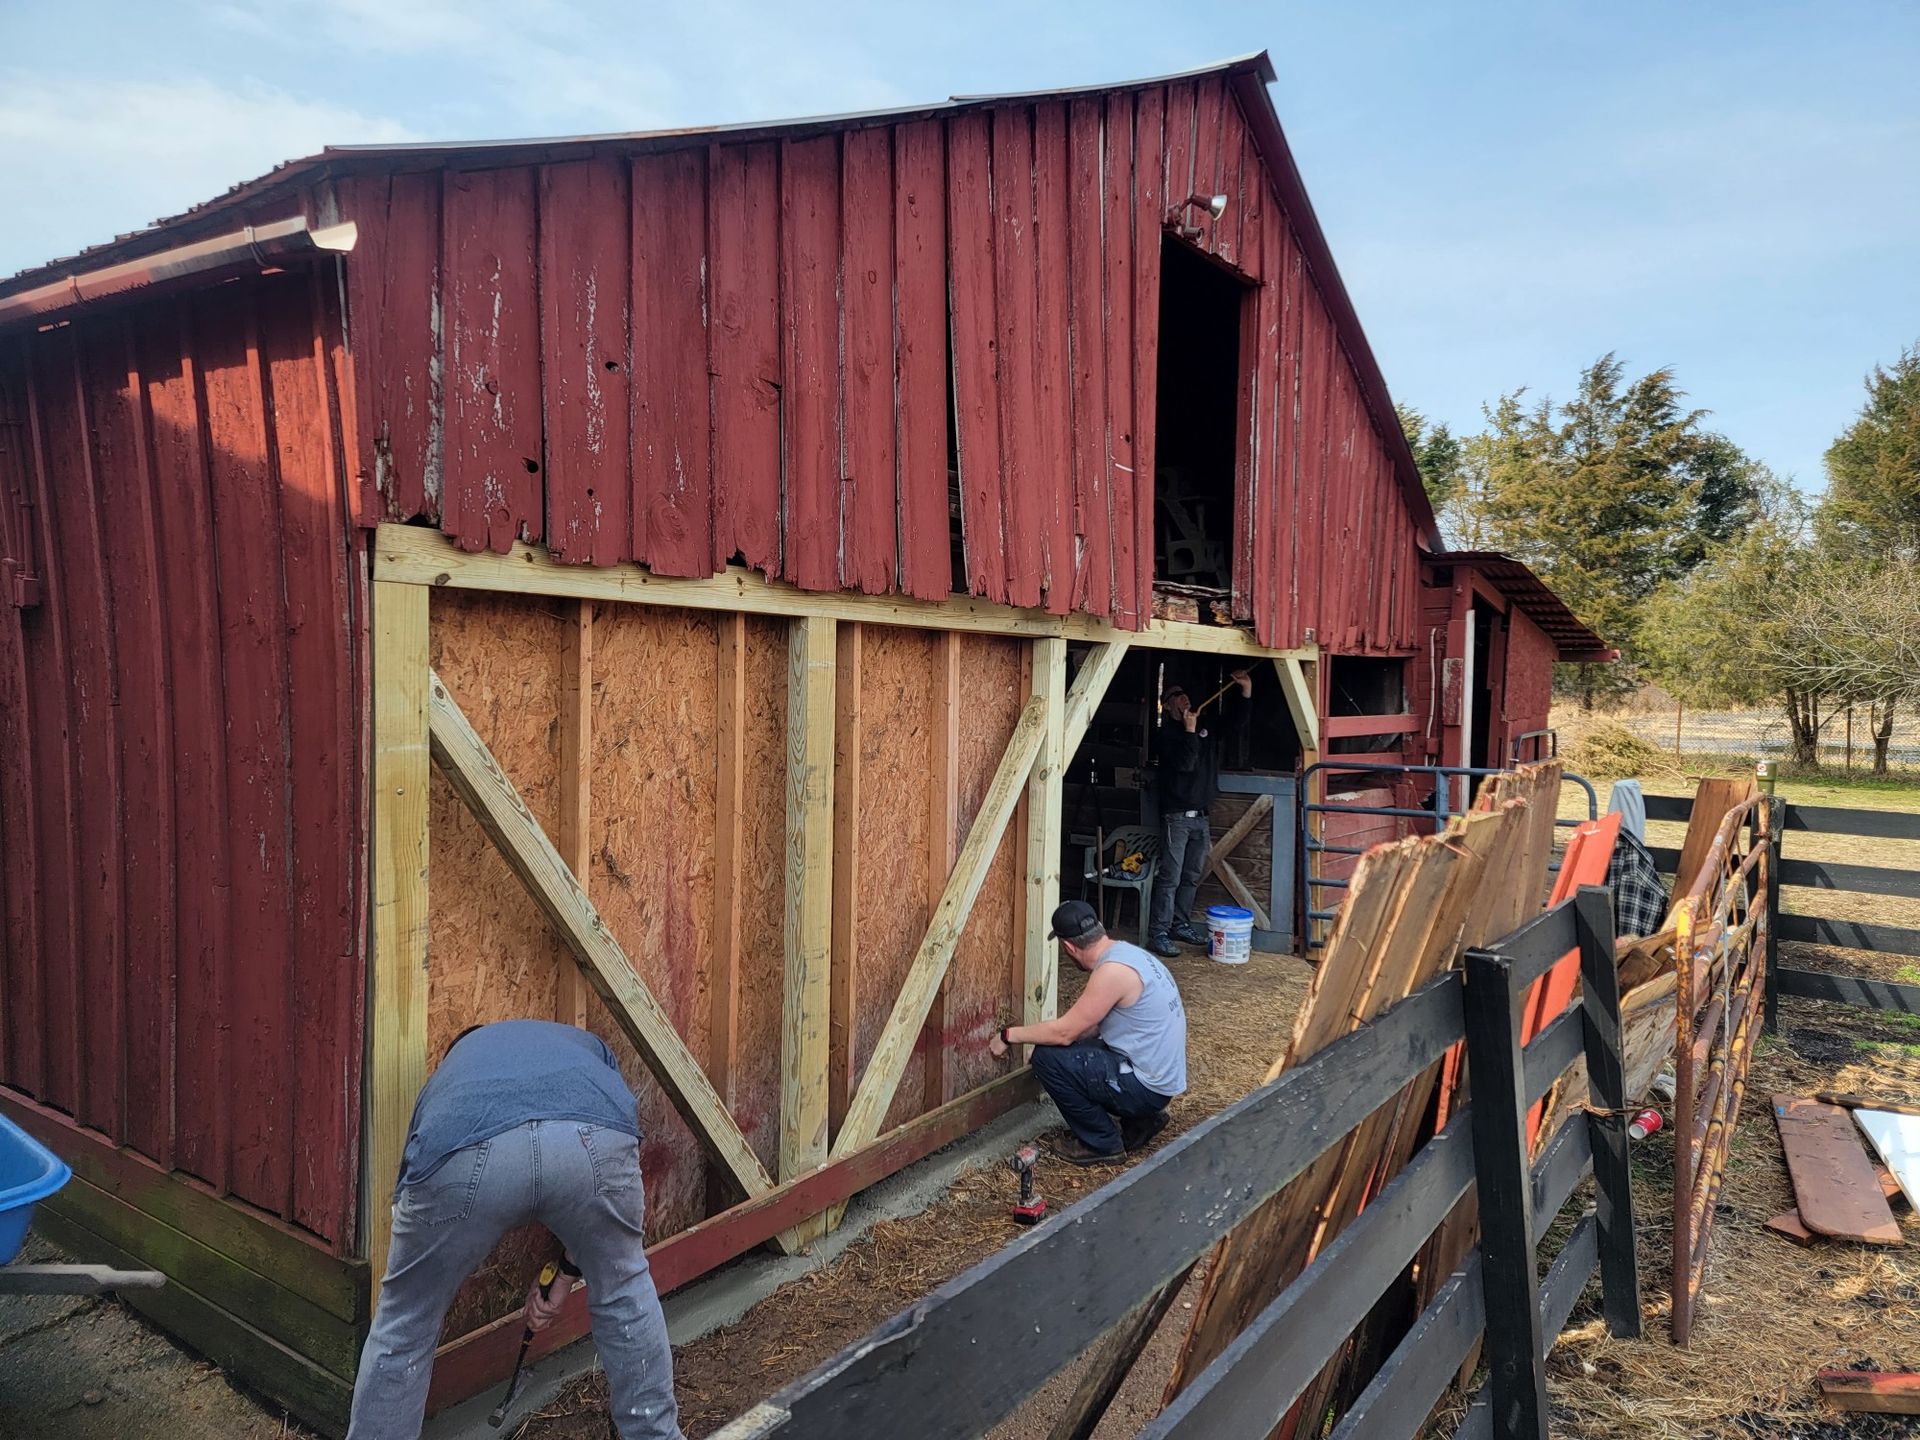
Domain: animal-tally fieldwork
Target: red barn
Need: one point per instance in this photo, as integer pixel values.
(636, 579)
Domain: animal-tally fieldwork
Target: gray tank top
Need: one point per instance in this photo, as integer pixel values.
(1152, 1032)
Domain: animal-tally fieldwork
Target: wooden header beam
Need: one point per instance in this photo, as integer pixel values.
(413, 555)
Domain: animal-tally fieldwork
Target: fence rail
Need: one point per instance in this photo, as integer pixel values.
(1859, 990)
(959, 1361)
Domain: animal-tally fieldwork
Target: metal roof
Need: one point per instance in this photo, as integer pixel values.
(1535, 599)
(1248, 75)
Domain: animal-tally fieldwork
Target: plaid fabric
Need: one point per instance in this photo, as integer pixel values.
(1639, 894)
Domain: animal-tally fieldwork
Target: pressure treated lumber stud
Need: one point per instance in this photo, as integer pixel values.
(806, 1005)
(848, 737)
(486, 791)
(730, 805)
(1089, 689)
(576, 785)
(1300, 702)
(397, 1002)
(895, 1045)
(1040, 994)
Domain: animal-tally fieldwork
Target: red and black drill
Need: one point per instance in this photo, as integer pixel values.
(1031, 1209)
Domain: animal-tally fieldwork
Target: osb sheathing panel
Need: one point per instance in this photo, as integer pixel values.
(763, 891)
(653, 818)
(896, 892)
(491, 955)
(651, 838)
(980, 986)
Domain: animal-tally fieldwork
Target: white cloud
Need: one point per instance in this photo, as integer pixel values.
(83, 161)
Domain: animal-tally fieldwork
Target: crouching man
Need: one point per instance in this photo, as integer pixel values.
(524, 1120)
(1114, 1060)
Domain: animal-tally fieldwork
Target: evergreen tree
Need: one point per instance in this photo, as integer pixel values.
(1611, 495)
(1436, 450)
(1873, 469)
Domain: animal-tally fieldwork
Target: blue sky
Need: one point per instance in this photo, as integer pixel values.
(1510, 189)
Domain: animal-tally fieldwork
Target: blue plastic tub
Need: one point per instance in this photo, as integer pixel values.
(29, 1172)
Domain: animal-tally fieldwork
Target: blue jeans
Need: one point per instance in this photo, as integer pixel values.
(1093, 1094)
(583, 1183)
(1184, 843)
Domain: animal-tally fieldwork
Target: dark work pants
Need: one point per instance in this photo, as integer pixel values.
(1184, 843)
(1085, 1082)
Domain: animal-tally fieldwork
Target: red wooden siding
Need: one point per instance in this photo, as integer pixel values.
(680, 354)
(180, 773)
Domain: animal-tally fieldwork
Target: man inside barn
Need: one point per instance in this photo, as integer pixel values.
(1115, 1060)
(524, 1121)
(1186, 756)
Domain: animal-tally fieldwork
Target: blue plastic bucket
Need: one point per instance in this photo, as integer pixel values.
(1229, 934)
(29, 1172)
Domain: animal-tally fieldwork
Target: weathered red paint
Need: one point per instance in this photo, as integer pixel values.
(1015, 292)
(183, 771)
(672, 459)
(810, 320)
(920, 258)
(743, 228)
(869, 520)
(585, 330)
(1086, 338)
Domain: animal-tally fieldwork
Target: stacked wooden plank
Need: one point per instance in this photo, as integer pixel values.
(1413, 907)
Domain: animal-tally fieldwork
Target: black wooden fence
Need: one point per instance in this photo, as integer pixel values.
(1857, 990)
(959, 1361)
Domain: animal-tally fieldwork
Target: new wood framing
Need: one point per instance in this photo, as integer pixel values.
(838, 1090)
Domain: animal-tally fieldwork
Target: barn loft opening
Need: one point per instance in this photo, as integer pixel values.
(1196, 449)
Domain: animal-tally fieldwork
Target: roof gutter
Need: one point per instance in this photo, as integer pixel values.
(251, 248)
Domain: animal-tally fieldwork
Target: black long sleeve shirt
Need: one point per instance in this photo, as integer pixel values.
(1189, 764)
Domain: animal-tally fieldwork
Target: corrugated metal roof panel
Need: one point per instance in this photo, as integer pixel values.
(1516, 580)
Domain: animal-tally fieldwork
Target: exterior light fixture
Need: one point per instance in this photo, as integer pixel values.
(1214, 205)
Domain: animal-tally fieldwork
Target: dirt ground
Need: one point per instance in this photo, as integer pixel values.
(1238, 1018)
(85, 1368)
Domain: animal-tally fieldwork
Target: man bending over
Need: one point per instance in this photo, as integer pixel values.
(524, 1120)
(1114, 1060)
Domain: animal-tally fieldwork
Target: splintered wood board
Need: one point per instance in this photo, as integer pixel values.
(1835, 1184)
(1896, 1136)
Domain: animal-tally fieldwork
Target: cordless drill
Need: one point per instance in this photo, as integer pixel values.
(1031, 1208)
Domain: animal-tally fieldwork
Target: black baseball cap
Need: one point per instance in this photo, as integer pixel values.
(1074, 921)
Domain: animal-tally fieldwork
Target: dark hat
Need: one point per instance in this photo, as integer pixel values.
(1074, 921)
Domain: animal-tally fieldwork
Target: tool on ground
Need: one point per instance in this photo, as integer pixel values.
(549, 1272)
(1031, 1209)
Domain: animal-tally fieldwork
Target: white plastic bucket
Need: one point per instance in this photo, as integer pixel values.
(1229, 934)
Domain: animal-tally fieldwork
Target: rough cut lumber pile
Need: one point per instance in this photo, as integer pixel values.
(1414, 905)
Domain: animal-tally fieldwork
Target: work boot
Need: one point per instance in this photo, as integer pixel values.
(1164, 947)
(1072, 1149)
(1136, 1133)
(1191, 933)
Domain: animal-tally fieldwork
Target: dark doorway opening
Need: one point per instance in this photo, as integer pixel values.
(1196, 449)
(1488, 652)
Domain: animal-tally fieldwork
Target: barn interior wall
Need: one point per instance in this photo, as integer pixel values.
(655, 859)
